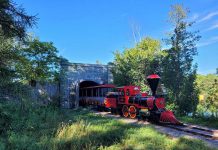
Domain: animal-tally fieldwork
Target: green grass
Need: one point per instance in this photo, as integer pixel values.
(53, 128)
(207, 122)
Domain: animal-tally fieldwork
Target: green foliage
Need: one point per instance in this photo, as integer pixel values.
(171, 106)
(134, 64)
(204, 82)
(5, 120)
(38, 61)
(13, 25)
(25, 61)
(203, 121)
(178, 71)
(213, 98)
(7, 56)
(13, 19)
(208, 87)
(52, 128)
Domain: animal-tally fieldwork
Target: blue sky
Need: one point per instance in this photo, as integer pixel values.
(89, 30)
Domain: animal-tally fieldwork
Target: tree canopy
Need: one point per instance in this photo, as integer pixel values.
(134, 64)
(208, 94)
(38, 61)
(13, 26)
(7, 56)
(178, 72)
(14, 20)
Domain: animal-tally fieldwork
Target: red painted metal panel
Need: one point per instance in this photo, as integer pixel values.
(110, 102)
(153, 76)
(160, 102)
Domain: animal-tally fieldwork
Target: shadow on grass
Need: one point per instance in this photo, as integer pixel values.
(52, 128)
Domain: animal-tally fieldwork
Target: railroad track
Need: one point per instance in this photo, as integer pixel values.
(192, 129)
(196, 130)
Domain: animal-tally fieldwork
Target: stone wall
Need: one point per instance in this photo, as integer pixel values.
(72, 74)
(41, 93)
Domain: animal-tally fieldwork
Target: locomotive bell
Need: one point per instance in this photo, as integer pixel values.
(153, 81)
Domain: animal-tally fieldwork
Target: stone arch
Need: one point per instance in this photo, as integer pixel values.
(75, 74)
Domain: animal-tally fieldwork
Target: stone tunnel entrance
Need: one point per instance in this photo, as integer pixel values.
(76, 76)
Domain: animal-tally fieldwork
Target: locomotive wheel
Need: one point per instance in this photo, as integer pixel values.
(132, 112)
(125, 111)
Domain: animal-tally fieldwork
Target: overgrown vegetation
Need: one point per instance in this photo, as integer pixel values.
(208, 95)
(53, 128)
(200, 120)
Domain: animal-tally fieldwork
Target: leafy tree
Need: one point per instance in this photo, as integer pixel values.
(13, 19)
(10, 87)
(213, 98)
(7, 54)
(38, 61)
(134, 64)
(178, 72)
(207, 85)
(13, 23)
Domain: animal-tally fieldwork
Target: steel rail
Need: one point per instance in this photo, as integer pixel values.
(196, 130)
(192, 129)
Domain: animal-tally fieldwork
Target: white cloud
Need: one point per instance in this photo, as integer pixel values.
(215, 26)
(210, 41)
(208, 16)
(194, 17)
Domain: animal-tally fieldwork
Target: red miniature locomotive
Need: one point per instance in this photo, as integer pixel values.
(129, 101)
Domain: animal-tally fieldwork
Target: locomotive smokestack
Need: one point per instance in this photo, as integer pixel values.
(153, 81)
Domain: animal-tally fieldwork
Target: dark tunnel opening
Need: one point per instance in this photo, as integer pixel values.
(85, 84)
